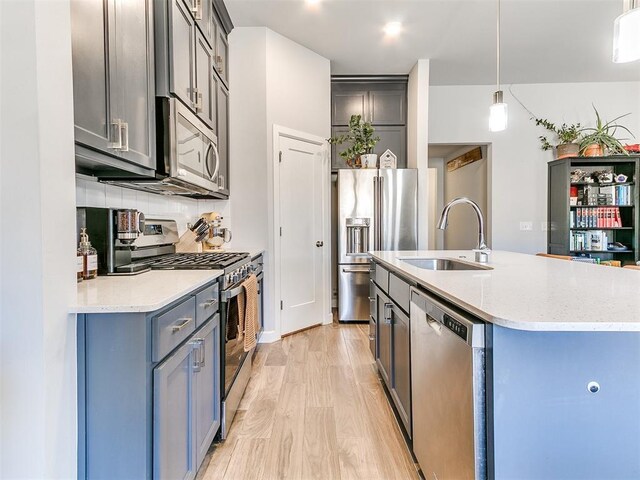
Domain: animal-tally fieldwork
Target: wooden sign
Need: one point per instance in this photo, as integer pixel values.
(388, 159)
(464, 159)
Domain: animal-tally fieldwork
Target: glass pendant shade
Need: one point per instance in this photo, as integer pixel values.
(498, 113)
(626, 37)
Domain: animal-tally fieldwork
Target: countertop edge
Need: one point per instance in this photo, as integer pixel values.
(513, 324)
(145, 307)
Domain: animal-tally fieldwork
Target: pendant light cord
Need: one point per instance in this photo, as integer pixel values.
(498, 47)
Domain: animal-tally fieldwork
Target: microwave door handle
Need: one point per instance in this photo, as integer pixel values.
(215, 171)
(206, 159)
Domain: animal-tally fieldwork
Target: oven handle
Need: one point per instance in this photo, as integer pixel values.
(227, 295)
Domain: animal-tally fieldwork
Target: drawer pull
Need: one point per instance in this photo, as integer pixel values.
(372, 337)
(209, 303)
(179, 326)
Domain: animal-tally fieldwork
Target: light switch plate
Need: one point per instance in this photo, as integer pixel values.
(526, 226)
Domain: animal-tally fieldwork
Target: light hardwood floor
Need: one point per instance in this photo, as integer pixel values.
(314, 409)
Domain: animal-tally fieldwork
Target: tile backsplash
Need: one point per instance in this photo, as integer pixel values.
(90, 193)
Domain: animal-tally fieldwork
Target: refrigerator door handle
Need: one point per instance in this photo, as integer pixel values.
(378, 212)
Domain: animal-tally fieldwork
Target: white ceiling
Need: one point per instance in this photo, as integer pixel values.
(542, 40)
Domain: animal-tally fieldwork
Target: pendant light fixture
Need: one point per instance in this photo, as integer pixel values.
(626, 34)
(498, 111)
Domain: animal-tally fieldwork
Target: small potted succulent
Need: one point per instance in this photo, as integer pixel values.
(360, 136)
(600, 140)
(566, 137)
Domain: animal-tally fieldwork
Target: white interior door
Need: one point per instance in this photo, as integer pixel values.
(302, 247)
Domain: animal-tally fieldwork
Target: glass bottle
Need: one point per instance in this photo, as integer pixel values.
(79, 265)
(90, 256)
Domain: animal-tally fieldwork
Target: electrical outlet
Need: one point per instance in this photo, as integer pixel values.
(526, 226)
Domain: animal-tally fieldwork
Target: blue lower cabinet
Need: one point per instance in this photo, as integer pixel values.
(173, 399)
(141, 416)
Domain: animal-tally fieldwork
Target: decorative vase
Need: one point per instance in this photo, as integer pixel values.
(369, 160)
(593, 150)
(567, 150)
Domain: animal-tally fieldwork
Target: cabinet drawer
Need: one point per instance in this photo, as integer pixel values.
(400, 292)
(207, 303)
(382, 277)
(172, 327)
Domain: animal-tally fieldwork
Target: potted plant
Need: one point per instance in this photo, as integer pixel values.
(360, 136)
(566, 138)
(600, 140)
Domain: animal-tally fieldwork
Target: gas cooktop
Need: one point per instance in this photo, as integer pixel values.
(199, 261)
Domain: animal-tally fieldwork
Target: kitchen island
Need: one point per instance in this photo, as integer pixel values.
(561, 357)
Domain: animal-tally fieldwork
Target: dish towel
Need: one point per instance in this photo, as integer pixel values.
(248, 311)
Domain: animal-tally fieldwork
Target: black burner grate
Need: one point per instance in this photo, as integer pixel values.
(195, 261)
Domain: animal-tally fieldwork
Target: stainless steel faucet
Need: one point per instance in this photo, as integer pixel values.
(482, 251)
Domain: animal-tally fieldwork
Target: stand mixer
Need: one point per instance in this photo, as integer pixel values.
(210, 232)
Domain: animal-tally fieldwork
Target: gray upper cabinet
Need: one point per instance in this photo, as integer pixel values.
(221, 49)
(181, 55)
(113, 82)
(204, 91)
(387, 106)
(381, 103)
(223, 139)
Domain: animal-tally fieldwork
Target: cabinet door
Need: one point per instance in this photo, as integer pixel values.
(223, 139)
(204, 94)
(394, 139)
(385, 345)
(222, 53)
(92, 72)
(173, 454)
(182, 57)
(388, 105)
(201, 10)
(134, 90)
(206, 387)
(347, 100)
(401, 389)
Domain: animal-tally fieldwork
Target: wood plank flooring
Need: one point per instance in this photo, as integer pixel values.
(314, 409)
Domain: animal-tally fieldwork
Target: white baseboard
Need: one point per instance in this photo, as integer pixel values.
(269, 336)
(328, 319)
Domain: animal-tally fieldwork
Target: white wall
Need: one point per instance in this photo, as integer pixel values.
(518, 171)
(469, 181)
(274, 81)
(37, 200)
(418, 93)
(90, 193)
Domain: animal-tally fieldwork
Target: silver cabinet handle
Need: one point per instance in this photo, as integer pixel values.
(197, 104)
(219, 65)
(209, 303)
(125, 135)
(196, 9)
(116, 126)
(354, 270)
(183, 322)
(387, 313)
(203, 356)
(372, 337)
(221, 184)
(198, 362)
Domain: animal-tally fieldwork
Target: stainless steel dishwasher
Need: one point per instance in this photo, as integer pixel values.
(448, 390)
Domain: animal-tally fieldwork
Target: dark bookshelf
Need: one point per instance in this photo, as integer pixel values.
(559, 208)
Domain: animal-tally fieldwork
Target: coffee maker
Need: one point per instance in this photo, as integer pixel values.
(113, 233)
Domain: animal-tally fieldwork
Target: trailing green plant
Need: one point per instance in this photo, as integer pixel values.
(563, 133)
(360, 136)
(603, 134)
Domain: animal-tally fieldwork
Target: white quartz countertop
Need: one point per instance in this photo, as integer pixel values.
(527, 292)
(145, 292)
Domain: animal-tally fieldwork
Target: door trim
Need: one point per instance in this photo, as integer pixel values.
(284, 132)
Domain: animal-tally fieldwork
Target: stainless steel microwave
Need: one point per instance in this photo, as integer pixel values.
(188, 162)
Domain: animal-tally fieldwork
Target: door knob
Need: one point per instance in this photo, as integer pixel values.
(319, 243)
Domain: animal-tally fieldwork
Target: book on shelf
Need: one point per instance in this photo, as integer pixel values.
(592, 240)
(595, 217)
(604, 195)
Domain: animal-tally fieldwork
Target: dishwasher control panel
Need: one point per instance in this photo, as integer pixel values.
(455, 326)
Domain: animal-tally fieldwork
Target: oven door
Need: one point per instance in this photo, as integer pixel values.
(193, 153)
(233, 350)
(260, 279)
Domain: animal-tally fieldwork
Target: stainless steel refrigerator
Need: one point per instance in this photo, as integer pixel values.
(377, 210)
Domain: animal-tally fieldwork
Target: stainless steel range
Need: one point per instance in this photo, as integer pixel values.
(155, 249)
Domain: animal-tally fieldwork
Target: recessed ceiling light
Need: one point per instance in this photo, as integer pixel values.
(312, 3)
(393, 29)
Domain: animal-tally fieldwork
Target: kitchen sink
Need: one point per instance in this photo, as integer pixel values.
(442, 264)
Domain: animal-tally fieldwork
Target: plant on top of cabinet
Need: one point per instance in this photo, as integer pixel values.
(360, 135)
(566, 137)
(600, 140)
